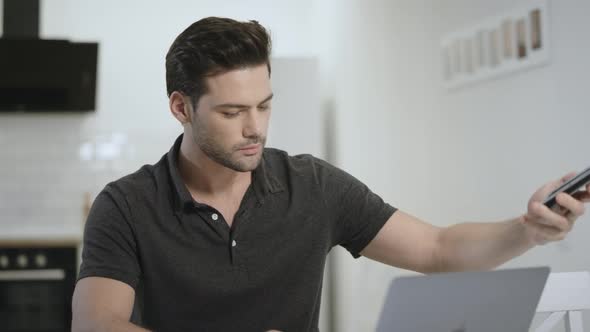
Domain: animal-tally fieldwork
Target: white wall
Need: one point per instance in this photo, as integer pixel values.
(476, 154)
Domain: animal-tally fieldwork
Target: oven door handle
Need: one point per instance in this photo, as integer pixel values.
(32, 275)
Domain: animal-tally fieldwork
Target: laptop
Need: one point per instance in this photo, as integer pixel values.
(489, 301)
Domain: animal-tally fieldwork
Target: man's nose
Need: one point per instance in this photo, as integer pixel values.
(252, 124)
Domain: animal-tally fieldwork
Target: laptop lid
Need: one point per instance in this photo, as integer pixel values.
(486, 301)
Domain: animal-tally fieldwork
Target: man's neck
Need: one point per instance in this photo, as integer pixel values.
(206, 177)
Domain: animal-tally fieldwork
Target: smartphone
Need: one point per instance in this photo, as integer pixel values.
(570, 187)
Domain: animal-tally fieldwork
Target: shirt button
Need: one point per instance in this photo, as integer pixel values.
(214, 216)
(234, 243)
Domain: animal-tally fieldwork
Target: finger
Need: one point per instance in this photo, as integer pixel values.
(557, 183)
(582, 196)
(575, 207)
(553, 185)
(567, 177)
(549, 218)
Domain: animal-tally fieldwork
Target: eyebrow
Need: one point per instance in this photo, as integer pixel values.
(231, 105)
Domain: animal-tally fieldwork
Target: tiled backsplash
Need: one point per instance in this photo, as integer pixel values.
(43, 180)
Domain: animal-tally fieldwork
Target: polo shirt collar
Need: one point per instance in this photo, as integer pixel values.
(263, 180)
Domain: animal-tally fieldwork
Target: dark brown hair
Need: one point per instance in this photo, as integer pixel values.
(211, 46)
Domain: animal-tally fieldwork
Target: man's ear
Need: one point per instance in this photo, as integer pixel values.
(181, 107)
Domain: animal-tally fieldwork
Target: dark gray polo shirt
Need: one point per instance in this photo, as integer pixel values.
(192, 272)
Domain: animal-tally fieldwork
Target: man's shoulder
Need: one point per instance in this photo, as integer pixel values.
(278, 157)
(144, 180)
(297, 165)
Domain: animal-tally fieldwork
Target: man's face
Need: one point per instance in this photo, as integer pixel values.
(231, 120)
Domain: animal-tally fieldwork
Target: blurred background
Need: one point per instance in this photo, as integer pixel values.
(358, 83)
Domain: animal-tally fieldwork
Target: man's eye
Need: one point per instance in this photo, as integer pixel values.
(264, 107)
(230, 115)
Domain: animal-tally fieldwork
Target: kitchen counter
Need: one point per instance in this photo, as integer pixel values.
(41, 235)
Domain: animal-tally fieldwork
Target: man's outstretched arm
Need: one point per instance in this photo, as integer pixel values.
(409, 243)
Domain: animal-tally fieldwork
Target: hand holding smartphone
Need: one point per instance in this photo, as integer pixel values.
(570, 187)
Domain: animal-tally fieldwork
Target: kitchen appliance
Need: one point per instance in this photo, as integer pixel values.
(36, 285)
(43, 75)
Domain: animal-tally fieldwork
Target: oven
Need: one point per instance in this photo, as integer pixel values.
(36, 287)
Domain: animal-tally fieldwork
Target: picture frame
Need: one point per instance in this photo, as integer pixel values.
(500, 45)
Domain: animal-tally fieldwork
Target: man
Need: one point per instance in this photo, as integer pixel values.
(223, 234)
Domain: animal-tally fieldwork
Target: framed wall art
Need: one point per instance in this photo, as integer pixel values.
(497, 46)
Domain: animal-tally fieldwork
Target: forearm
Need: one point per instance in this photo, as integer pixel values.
(481, 246)
(111, 326)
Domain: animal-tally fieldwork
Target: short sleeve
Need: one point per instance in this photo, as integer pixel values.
(109, 246)
(357, 213)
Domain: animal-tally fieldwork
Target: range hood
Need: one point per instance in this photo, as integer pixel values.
(43, 75)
